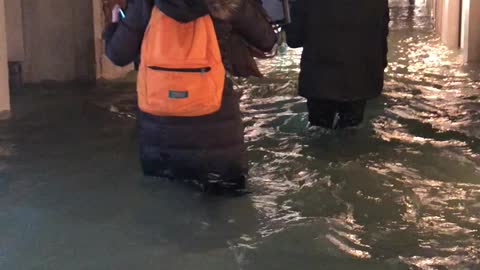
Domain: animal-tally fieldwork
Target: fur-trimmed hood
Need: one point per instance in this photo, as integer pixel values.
(190, 10)
(223, 9)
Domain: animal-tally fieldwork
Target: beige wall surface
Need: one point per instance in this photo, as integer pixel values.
(4, 89)
(14, 19)
(58, 38)
(458, 23)
(450, 26)
(471, 40)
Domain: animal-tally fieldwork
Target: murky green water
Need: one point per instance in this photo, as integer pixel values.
(400, 192)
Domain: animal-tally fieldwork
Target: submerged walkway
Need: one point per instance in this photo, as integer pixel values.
(401, 192)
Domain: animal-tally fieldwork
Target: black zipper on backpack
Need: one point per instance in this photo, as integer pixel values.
(184, 70)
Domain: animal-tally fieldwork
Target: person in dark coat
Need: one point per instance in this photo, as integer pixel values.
(208, 148)
(344, 56)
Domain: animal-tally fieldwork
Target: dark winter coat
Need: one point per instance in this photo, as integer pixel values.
(193, 147)
(345, 47)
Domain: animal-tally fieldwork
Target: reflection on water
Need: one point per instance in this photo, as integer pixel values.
(400, 192)
(404, 188)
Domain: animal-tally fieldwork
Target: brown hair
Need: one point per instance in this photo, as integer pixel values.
(223, 9)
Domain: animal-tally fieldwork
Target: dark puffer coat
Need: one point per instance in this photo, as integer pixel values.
(199, 147)
(345, 47)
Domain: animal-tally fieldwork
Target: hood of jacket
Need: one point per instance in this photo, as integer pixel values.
(189, 10)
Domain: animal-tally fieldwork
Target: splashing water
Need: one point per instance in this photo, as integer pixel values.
(400, 192)
(404, 188)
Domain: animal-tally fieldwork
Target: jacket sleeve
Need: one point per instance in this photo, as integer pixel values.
(123, 40)
(251, 23)
(296, 29)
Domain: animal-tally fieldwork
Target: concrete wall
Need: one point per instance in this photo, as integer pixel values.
(447, 21)
(14, 19)
(471, 31)
(450, 24)
(464, 23)
(438, 15)
(97, 6)
(58, 38)
(458, 23)
(4, 89)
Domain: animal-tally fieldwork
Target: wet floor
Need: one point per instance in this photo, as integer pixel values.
(400, 192)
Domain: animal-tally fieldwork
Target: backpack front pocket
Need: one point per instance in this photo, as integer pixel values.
(184, 92)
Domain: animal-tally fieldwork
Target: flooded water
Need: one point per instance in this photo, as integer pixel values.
(400, 192)
(404, 189)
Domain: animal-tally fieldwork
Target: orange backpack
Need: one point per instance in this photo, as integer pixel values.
(181, 71)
